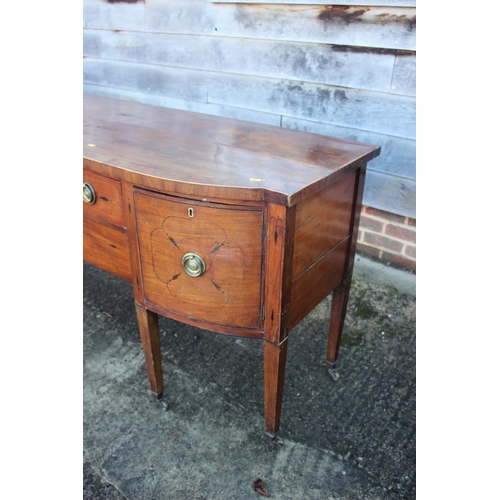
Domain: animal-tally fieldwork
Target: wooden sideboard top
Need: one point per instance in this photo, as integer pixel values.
(192, 154)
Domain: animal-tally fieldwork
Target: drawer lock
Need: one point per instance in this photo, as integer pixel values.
(193, 264)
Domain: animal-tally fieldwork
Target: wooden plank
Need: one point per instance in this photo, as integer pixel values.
(113, 16)
(183, 104)
(398, 155)
(393, 194)
(382, 27)
(173, 82)
(392, 3)
(362, 68)
(405, 70)
(371, 111)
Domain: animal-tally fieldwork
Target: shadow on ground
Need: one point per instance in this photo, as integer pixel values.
(350, 439)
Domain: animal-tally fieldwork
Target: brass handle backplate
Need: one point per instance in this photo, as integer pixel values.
(193, 264)
(88, 193)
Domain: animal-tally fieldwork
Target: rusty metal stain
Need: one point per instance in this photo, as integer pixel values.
(348, 14)
(345, 13)
(361, 50)
(125, 1)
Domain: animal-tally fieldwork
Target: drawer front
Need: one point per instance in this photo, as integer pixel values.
(105, 196)
(105, 246)
(223, 244)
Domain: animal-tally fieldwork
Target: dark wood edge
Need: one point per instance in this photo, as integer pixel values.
(135, 263)
(279, 244)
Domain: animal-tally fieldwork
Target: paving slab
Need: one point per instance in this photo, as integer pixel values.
(350, 439)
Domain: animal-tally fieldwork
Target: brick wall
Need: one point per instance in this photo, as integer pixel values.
(388, 237)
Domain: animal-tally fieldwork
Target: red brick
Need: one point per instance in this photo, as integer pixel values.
(372, 224)
(385, 215)
(401, 233)
(411, 251)
(365, 249)
(412, 222)
(382, 242)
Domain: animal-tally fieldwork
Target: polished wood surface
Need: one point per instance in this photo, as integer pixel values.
(227, 238)
(340, 295)
(311, 287)
(322, 222)
(150, 338)
(109, 203)
(199, 155)
(105, 245)
(272, 214)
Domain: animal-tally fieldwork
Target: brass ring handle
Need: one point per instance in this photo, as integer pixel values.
(88, 194)
(193, 264)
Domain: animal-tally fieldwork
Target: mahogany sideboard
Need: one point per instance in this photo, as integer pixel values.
(231, 226)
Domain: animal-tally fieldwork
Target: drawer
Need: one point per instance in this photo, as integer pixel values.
(179, 239)
(105, 245)
(105, 197)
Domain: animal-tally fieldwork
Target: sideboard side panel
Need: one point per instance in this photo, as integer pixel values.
(324, 225)
(323, 221)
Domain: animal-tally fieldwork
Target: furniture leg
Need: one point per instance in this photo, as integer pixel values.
(274, 377)
(340, 295)
(339, 306)
(150, 338)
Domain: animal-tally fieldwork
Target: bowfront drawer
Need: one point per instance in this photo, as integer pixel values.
(201, 260)
(102, 197)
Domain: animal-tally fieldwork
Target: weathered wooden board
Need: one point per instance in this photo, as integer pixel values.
(391, 193)
(369, 69)
(391, 177)
(113, 16)
(370, 111)
(398, 155)
(343, 71)
(381, 27)
(394, 3)
(405, 70)
(183, 104)
(382, 187)
(172, 82)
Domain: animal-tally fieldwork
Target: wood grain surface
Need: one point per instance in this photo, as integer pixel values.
(193, 154)
(105, 245)
(227, 238)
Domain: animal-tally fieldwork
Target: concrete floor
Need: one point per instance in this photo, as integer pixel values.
(350, 439)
